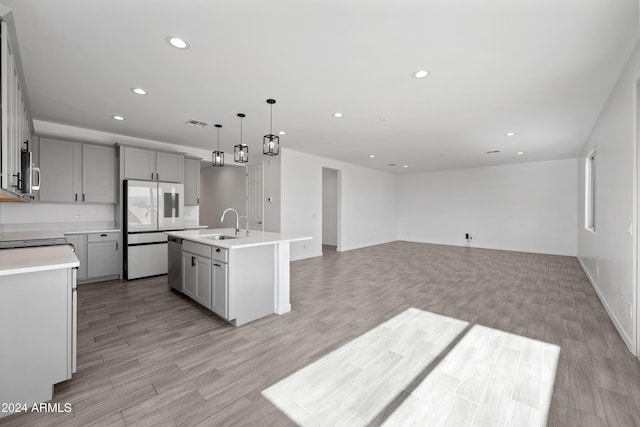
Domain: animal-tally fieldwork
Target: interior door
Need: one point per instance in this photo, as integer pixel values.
(255, 202)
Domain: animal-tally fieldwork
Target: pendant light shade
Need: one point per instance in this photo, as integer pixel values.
(217, 157)
(241, 151)
(271, 142)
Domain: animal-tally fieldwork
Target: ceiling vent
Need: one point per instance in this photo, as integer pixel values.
(197, 124)
(493, 152)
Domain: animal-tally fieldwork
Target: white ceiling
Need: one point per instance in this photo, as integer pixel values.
(541, 68)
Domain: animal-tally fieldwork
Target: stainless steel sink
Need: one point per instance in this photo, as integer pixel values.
(219, 237)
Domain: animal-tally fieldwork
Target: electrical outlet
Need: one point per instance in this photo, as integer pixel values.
(76, 214)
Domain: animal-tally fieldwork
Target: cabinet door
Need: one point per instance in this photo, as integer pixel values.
(191, 182)
(102, 259)
(58, 169)
(79, 242)
(98, 173)
(189, 273)
(203, 282)
(139, 163)
(169, 167)
(220, 288)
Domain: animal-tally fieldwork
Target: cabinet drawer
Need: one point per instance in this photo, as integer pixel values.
(102, 237)
(220, 254)
(197, 248)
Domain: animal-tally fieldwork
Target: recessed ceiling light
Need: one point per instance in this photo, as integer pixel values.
(420, 74)
(510, 134)
(120, 118)
(391, 164)
(138, 91)
(177, 42)
(405, 166)
(282, 132)
(337, 115)
(371, 156)
(519, 153)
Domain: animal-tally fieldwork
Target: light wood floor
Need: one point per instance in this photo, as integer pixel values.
(148, 356)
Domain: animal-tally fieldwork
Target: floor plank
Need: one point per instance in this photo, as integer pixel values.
(143, 349)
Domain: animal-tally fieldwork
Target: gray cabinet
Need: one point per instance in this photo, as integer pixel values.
(98, 174)
(197, 277)
(98, 254)
(196, 272)
(15, 122)
(189, 274)
(220, 304)
(76, 172)
(140, 163)
(59, 169)
(191, 181)
(102, 255)
(79, 243)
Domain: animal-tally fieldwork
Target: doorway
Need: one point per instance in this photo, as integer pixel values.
(330, 210)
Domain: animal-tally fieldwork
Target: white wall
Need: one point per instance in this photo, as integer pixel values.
(366, 204)
(222, 188)
(608, 253)
(529, 207)
(329, 207)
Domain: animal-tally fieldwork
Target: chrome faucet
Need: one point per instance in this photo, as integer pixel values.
(237, 218)
(247, 218)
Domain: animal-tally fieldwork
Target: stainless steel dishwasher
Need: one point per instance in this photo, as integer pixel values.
(175, 263)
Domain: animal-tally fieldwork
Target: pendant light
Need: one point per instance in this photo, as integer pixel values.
(271, 142)
(241, 151)
(217, 157)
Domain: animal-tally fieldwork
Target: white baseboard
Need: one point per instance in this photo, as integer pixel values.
(627, 340)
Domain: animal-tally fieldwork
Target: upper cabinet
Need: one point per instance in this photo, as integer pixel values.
(140, 163)
(15, 119)
(76, 172)
(191, 181)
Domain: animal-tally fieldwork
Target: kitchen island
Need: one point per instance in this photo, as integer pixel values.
(239, 278)
(37, 322)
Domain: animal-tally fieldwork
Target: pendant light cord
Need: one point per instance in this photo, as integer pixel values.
(271, 118)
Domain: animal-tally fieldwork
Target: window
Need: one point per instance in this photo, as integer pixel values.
(590, 192)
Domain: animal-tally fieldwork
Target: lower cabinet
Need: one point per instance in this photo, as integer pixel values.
(196, 277)
(79, 243)
(98, 254)
(220, 304)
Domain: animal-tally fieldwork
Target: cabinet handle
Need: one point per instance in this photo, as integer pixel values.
(76, 195)
(116, 246)
(198, 200)
(83, 197)
(193, 261)
(103, 235)
(216, 265)
(157, 176)
(218, 250)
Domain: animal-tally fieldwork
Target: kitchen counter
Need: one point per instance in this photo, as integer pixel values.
(255, 238)
(240, 279)
(28, 260)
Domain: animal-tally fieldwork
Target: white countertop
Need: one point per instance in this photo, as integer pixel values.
(255, 238)
(29, 260)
